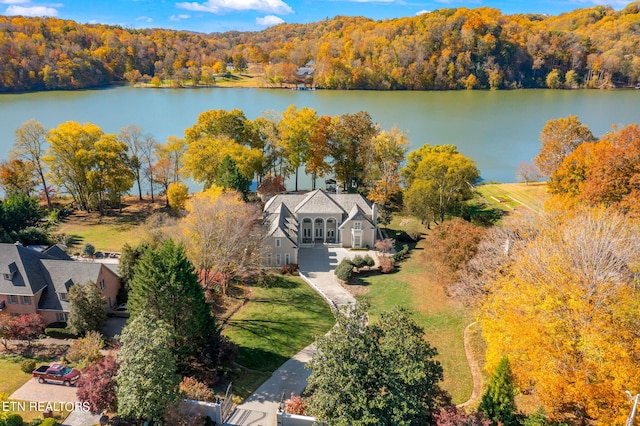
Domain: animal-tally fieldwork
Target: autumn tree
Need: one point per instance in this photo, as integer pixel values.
(297, 128)
(387, 367)
(17, 177)
(349, 144)
(29, 146)
(97, 385)
(138, 145)
(223, 236)
(86, 350)
(86, 308)
(215, 123)
(165, 288)
(527, 172)
(452, 416)
(388, 150)
(440, 181)
(177, 195)
(316, 163)
(112, 174)
(70, 157)
(146, 358)
(560, 137)
(572, 282)
(27, 327)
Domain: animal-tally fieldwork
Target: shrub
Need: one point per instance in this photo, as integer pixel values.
(402, 254)
(359, 262)
(59, 333)
(386, 265)
(295, 405)
(289, 269)
(28, 365)
(88, 250)
(384, 245)
(49, 422)
(191, 388)
(368, 261)
(13, 420)
(344, 270)
(86, 350)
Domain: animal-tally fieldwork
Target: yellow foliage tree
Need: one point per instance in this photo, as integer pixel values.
(566, 311)
(177, 195)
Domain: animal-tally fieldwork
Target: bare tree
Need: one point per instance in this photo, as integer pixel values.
(30, 147)
(527, 172)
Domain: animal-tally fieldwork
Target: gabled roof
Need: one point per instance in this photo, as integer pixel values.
(63, 275)
(318, 202)
(57, 251)
(282, 224)
(28, 275)
(357, 214)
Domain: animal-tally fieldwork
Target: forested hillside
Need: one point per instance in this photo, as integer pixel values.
(445, 49)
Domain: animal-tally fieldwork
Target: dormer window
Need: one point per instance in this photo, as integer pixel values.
(63, 296)
(9, 276)
(357, 225)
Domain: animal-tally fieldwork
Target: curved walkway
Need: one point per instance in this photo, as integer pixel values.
(316, 268)
(476, 374)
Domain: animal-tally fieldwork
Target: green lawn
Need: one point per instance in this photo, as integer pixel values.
(509, 196)
(103, 236)
(12, 375)
(277, 322)
(443, 319)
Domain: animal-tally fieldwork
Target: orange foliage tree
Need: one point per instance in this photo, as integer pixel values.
(566, 310)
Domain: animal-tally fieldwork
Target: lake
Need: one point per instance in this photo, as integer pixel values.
(498, 129)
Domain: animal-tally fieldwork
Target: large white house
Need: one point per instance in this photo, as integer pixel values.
(317, 217)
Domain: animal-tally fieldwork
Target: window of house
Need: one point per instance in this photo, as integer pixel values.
(287, 259)
(278, 259)
(63, 296)
(26, 300)
(268, 260)
(277, 242)
(102, 284)
(357, 225)
(62, 316)
(13, 299)
(7, 276)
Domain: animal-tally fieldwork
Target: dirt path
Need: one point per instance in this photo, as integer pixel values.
(475, 369)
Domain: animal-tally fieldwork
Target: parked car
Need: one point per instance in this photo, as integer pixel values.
(57, 373)
(120, 311)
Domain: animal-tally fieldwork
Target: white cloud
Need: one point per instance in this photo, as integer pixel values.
(14, 10)
(221, 6)
(421, 12)
(144, 18)
(180, 17)
(13, 1)
(269, 21)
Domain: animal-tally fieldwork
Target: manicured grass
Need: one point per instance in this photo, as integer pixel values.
(442, 318)
(106, 236)
(12, 375)
(279, 320)
(508, 196)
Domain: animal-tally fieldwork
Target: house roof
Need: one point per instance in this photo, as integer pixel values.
(356, 213)
(63, 275)
(57, 251)
(282, 224)
(28, 276)
(318, 202)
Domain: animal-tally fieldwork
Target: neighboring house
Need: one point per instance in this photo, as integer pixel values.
(304, 220)
(35, 282)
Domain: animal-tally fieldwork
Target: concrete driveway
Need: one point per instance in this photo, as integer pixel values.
(45, 392)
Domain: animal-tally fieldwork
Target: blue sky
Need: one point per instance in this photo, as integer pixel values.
(254, 15)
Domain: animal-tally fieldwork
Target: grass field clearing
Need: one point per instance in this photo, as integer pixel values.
(509, 196)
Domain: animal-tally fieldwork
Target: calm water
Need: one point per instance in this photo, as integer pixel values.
(498, 129)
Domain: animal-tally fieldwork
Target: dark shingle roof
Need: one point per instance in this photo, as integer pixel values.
(28, 276)
(63, 274)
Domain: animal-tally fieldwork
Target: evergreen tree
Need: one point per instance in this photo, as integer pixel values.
(147, 380)
(86, 311)
(166, 288)
(383, 374)
(229, 176)
(498, 402)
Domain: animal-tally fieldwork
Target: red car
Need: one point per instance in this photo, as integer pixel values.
(57, 373)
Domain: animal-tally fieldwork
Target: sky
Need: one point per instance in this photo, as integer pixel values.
(209, 16)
